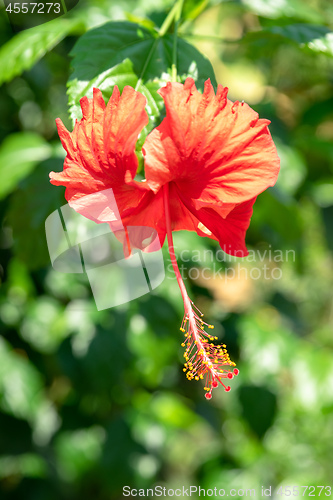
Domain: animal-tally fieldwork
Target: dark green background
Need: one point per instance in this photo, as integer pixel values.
(92, 401)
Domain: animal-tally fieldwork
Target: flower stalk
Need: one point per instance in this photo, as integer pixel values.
(203, 359)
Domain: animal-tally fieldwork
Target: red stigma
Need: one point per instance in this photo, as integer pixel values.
(236, 371)
(215, 384)
(230, 375)
(208, 395)
(227, 389)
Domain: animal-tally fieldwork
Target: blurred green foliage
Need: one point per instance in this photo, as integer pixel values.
(92, 401)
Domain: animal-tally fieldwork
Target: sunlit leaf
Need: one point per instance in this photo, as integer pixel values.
(275, 9)
(293, 168)
(29, 46)
(27, 465)
(316, 38)
(129, 54)
(19, 154)
(323, 194)
(78, 451)
(20, 384)
(44, 327)
(29, 208)
(310, 37)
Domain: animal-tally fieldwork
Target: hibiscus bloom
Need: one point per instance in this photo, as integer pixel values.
(204, 166)
(101, 158)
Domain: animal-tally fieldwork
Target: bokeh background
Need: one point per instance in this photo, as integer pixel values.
(92, 401)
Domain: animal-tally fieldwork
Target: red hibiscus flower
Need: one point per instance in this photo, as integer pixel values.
(204, 166)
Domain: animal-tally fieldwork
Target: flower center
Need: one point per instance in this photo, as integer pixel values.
(203, 358)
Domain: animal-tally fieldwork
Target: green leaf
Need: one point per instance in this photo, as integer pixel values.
(293, 168)
(172, 411)
(20, 384)
(78, 451)
(27, 465)
(274, 9)
(311, 37)
(193, 9)
(300, 33)
(29, 46)
(323, 194)
(28, 210)
(44, 325)
(317, 38)
(146, 23)
(19, 154)
(322, 44)
(124, 53)
(251, 398)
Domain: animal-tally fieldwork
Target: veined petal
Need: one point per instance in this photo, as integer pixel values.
(102, 144)
(216, 151)
(149, 211)
(231, 230)
(77, 180)
(228, 230)
(124, 118)
(101, 153)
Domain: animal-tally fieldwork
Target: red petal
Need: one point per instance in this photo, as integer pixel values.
(124, 119)
(101, 154)
(216, 151)
(229, 231)
(101, 148)
(148, 212)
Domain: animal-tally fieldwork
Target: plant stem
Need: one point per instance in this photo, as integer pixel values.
(173, 16)
(178, 14)
(169, 20)
(183, 291)
(189, 314)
